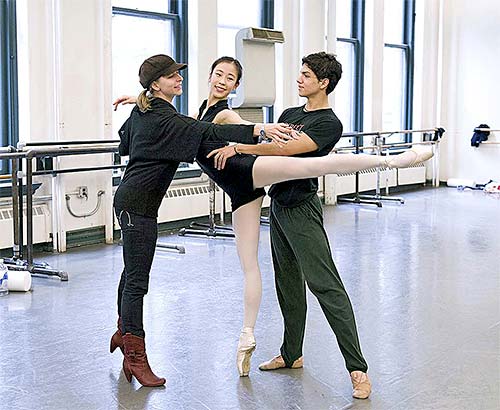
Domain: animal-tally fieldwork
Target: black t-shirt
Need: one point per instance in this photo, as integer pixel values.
(156, 142)
(325, 129)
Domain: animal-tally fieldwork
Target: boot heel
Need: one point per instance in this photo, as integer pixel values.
(135, 362)
(127, 372)
(112, 346)
(116, 339)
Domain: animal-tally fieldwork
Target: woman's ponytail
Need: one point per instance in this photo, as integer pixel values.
(144, 101)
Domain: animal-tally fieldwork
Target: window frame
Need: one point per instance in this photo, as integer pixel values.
(9, 126)
(177, 15)
(357, 40)
(267, 21)
(408, 47)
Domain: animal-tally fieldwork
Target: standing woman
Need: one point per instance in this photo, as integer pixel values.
(246, 202)
(156, 138)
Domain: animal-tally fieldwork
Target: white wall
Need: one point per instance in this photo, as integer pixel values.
(470, 87)
(66, 95)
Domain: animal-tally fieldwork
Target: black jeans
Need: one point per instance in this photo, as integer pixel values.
(139, 234)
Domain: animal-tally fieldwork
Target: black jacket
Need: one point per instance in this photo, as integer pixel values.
(156, 142)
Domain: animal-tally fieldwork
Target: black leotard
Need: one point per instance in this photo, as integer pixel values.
(236, 177)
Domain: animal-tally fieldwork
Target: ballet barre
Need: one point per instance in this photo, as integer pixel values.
(379, 146)
(484, 130)
(27, 152)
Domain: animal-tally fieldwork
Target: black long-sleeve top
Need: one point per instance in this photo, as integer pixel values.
(156, 142)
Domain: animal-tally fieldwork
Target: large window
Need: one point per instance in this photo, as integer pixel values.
(348, 94)
(398, 67)
(9, 125)
(233, 15)
(142, 28)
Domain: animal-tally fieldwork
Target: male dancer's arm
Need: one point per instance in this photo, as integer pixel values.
(312, 138)
(301, 145)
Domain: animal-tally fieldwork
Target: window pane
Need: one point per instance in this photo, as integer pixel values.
(238, 13)
(393, 21)
(343, 18)
(344, 92)
(233, 15)
(159, 6)
(225, 41)
(394, 91)
(130, 50)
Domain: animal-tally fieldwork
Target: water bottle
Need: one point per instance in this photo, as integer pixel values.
(4, 276)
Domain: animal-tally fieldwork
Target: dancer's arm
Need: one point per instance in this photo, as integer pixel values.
(231, 117)
(124, 100)
(300, 145)
(279, 133)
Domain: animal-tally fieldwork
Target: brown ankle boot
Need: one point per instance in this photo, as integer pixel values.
(135, 362)
(116, 339)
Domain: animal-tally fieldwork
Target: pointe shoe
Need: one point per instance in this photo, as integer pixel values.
(415, 155)
(135, 362)
(246, 346)
(361, 385)
(277, 362)
(116, 339)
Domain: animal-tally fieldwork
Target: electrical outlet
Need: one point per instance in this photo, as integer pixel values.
(83, 192)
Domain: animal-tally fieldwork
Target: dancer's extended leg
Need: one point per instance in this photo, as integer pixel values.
(270, 170)
(246, 224)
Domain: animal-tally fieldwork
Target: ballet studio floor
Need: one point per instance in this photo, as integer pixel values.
(423, 277)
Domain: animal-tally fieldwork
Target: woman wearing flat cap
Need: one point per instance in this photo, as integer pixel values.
(156, 138)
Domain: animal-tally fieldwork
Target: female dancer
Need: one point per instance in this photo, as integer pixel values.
(246, 192)
(156, 138)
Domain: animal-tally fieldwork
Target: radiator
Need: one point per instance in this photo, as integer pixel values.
(191, 201)
(411, 175)
(41, 225)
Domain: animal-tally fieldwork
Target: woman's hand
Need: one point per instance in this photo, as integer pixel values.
(123, 100)
(222, 154)
(279, 133)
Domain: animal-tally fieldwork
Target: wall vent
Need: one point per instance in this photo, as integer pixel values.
(189, 191)
(38, 210)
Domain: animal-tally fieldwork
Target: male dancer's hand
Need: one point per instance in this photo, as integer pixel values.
(123, 100)
(222, 154)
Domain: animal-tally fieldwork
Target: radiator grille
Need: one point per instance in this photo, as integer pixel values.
(6, 214)
(188, 191)
(251, 114)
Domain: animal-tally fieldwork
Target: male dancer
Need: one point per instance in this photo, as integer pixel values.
(300, 249)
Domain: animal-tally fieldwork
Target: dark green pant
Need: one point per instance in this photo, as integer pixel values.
(301, 254)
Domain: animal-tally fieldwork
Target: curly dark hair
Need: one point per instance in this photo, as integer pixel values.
(324, 65)
(227, 59)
